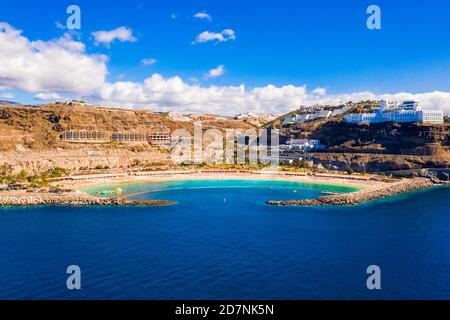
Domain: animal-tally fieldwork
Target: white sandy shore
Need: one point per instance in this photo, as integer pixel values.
(81, 182)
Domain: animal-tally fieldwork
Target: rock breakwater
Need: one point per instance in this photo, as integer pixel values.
(361, 196)
(71, 199)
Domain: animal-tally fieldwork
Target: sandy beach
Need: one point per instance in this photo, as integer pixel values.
(83, 182)
(73, 190)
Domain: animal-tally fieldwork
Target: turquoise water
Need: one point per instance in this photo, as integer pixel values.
(132, 190)
(220, 241)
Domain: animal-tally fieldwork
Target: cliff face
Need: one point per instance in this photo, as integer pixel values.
(39, 128)
(389, 138)
(34, 162)
(379, 147)
(360, 162)
(30, 137)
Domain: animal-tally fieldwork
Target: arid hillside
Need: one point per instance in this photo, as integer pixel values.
(383, 138)
(30, 137)
(375, 147)
(39, 128)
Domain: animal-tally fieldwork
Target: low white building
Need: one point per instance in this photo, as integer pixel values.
(325, 114)
(290, 119)
(302, 145)
(175, 116)
(407, 111)
(305, 117)
(340, 111)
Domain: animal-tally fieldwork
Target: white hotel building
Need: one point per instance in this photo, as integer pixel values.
(302, 145)
(407, 111)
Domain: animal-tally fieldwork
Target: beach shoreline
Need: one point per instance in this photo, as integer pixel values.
(75, 189)
(85, 182)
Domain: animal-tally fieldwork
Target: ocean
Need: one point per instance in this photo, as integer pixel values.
(221, 241)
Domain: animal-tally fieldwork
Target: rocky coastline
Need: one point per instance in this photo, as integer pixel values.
(362, 196)
(22, 199)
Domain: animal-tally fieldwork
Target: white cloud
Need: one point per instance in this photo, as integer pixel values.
(223, 36)
(122, 34)
(47, 96)
(320, 91)
(7, 96)
(59, 65)
(174, 94)
(216, 72)
(149, 61)
(203, 16)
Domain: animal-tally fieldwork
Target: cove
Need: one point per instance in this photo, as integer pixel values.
(241, 248)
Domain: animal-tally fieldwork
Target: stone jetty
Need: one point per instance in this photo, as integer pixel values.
(361, 196)
(15, 199)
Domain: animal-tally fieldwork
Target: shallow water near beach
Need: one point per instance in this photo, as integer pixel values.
(221, 241)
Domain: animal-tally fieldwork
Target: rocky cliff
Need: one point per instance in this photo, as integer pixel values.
(388, 138)
(39, 127)
(30, 137)
(38, 161)
(362, 162)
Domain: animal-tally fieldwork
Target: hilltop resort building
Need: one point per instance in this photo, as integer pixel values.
(407, 111)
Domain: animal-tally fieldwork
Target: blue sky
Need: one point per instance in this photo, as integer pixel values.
(320, 43)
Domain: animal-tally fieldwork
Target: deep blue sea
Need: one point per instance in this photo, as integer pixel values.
(220, 241)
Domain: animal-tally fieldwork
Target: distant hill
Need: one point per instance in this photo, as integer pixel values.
(9, 103)
(40, 127)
